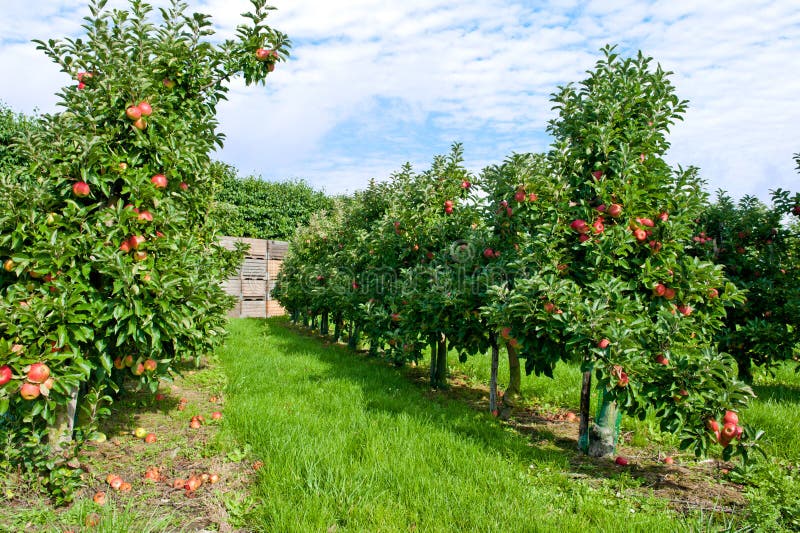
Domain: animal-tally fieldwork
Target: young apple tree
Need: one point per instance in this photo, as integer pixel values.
(602, 275)
(112, 270)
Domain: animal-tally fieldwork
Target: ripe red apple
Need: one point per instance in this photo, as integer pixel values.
(739, 432)
(125, 247)
(145, 109)
(598, 226)
(99, 498)
(728, 431)
(128, 360)
(669, 293)
(184, 186)
(115, 482)
(623, 379)
(150, 438)
(178, 483)
(160, 181)
(125, 487)
(583, 237)
(193, 483)
(685, 310)
(488, 253)
(262, 54)
(505, 333)
(615, 210)
(168, 83)
(150, 365)
(659, 289)
(621, 461)
(579, 225)
(216, 415)
(81, 189)
(137, 370)
(160, 397)
(140, 124)
(640, 234)
(549, 307)
(730, 418)
(668, 460)
(603, 344)
(662, 359)
(645, 222)
(532, 197)
(597, 174)
(139, 255)
(213, 478)
(519, 196)
(570, 417)
(133, 112)
(465, 184)
(145, 216)
(194, 423)
(5, 374)
(712, 424)
(152, 473)
(38, 373)
(9, 265)
(135, 241)
(663, 216)
(713, 293)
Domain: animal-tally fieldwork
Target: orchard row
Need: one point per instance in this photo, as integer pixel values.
(594, 253)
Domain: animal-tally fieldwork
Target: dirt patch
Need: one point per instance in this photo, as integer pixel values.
(179, 452)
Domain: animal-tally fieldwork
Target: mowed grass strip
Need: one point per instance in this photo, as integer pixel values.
(351, 444)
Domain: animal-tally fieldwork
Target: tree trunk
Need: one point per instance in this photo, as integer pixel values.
(586, 398)
(604, 432)
(323, 326)
(434, 364)
(512, 394)
(493, 378)
(307, 320)
(314, 321)
(744, 366)
(337, 327)
(352, 343)
(441, 363)
(295, 317)
(60, 433)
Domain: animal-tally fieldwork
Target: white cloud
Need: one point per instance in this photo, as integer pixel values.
(372, 84)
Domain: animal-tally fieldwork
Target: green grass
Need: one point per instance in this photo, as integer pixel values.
(353, 443)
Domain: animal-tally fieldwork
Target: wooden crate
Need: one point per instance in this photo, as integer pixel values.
(274, 308)
(236, 310)
(277, 249)
(233, 286)
(253, 268)
(273, 268)
(254, 288)
(254, 309)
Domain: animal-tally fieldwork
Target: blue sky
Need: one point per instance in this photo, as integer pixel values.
(373, 84)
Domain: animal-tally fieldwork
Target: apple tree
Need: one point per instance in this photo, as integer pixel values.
(758, 247)
(602, 276)
(111, 267)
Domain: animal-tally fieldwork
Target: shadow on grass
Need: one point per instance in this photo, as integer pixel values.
(778, 392)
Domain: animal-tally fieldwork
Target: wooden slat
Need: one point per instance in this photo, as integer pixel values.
(254, 268)
(273, 268)
(254, 308)
(254, 288)
(236, 311)
(232, 286)
(274, 308)
(277, 249)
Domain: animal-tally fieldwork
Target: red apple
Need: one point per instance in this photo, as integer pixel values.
(505, 333)
(519, 196)
(570, 417)
(712, 424)
(150, 438)
(137, 370)
(194, 423)
(135, 241)
(662, 359)
(216, 415)
(685, 310)
(728, 431)
(184, 186)
(160, 397)
(5, 374)
(659, 289)
(145, 109)
(603, 344)
(597, 174)
(645, 222)
(140, 124)
(160, 181)
(99, 498)
(597, 225)
(465, 184)
(579, 225)
(623, 379)
(668, 460)
(213, 478)
(621, 461)
(713, 293)
(448, 210)
(168, 83)
(81, 189)
(133, 112)
(615, 210)
(663, 216)
(640, 234)
(549, 307)
(30, 391)
(38, 373)
(128, 360)
(730, 418)
(262, 54)
(178, 483)
(488, 253)
(145, 216)
(669, 293)
(139, 255)
(150, 365)
(532, 197)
